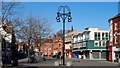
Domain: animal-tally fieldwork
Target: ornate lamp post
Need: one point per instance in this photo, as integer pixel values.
(63, 13)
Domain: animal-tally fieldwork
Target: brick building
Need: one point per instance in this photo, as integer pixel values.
(47, 47)
(57, 42)
(114, 45)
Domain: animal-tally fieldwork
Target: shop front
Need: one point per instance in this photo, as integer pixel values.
(116, 54)
(68, 53)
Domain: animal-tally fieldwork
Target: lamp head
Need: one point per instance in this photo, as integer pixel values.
(58, 19)
(69, 20)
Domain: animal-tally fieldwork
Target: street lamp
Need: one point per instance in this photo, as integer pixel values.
(63, 13)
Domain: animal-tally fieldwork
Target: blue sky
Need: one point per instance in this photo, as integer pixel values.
(84, 14)
(65, 0)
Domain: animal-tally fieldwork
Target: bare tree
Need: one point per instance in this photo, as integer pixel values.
(8, 9)
(32, 30)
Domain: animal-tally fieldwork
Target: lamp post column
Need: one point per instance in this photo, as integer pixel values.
(63, 49)
(63, 13)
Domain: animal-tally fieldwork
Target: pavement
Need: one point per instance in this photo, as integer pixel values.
(77, 63)
(74, 62)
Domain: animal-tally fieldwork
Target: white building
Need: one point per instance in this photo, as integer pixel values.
(91, 43)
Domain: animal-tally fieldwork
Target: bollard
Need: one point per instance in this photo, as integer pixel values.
(56, 63)
(60, 62)
(69, 64)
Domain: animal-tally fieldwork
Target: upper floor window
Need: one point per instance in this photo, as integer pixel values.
(100, 43)
(97, 35)
(45, 49)
(116, 38)
(59, 45)
(105, 36)
(49, 48)
(116, 26)
(86, 36)
(96, 43)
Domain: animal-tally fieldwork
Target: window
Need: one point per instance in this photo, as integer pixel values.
(84, 44)
(96, 43)
(103, 36)
(97, 36)
(99, 43)
(49, 48)
(116, 39)
(44, 48)
(86, 36)
(116, 26)
(95, 55)
(59, 45)
(103, 55)
(107, 36)
(103, 43)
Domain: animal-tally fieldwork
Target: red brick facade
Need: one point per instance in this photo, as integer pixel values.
(57, 42)
(116, 30)
(47, 49)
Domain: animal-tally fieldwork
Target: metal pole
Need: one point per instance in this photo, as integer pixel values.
(63, 35)
(63, 42)
(63, 15)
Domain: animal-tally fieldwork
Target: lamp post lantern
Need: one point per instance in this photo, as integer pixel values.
(63, 13)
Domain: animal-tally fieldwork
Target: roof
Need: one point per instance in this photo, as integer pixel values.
(118, 15)
(47, 40)
(73, 32)
(60, 33)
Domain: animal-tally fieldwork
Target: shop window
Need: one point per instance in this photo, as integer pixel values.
(95, 55)
(103, 55)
